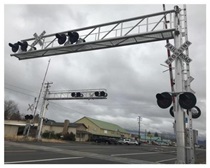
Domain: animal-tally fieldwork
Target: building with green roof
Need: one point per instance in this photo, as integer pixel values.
(102, 128)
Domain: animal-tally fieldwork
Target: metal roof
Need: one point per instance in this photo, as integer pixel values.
(61, 124)
(106, 125)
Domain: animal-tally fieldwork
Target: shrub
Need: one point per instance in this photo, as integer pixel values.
(69, 136)
(51, 135)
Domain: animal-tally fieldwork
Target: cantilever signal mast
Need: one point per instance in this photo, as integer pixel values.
(136, 30)
(86, 94)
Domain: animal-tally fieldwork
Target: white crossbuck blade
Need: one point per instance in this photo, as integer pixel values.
(178, 52)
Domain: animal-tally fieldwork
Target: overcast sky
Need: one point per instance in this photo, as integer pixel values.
(132, 74)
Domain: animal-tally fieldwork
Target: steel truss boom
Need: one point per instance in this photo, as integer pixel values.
(85, 94)
(142, 29)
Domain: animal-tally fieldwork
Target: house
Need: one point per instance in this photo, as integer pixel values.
(78, 129)
(13, 128)
(84, 128)
(97, 128)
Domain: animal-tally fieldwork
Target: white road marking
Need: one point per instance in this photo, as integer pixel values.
(166, 160)
(43, 160)
(145, 153)
(21, 151)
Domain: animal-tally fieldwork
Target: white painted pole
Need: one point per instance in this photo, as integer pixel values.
(191, 150)
(41, 117)
(42, 112)
(180, 125)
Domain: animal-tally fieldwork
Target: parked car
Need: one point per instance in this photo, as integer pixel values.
(101, 140)
(121, 141)
(112, 141)
(105, 140)
(129, 142)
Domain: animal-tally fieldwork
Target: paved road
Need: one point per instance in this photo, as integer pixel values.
(86, 153)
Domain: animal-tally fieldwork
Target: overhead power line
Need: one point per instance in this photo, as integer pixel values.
(19, 87)
(19, 92)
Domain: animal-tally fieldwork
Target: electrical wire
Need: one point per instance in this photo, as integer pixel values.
(19, 92)
(19, 87)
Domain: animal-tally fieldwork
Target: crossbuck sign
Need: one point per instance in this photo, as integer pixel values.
(178, 52)
(37, 40)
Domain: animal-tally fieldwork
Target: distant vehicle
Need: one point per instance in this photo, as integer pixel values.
(105, 140)
(197, 146)
(121, 141)
(112, 141)
(101, 140)
(128, 142)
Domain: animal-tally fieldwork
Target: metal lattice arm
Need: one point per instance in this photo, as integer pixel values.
(77, 94)
(130, 31)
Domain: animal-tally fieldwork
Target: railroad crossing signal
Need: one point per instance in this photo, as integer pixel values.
(61, 38)
(101, 93)
(29, 117)
(196, 112)
(14, 47)
(37, 40)
(164, 99)
(178, 52)
(101, 36)
(31, 106)
(76, 94)
(187, 100)
(23, 45)
(72, 38)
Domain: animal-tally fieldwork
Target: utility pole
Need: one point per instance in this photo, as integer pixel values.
(139, 117)
(43, 109)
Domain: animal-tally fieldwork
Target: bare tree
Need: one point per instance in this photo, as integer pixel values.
(15, 116)
(11, 110)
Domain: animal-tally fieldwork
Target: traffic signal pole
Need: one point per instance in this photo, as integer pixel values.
(180, 125)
